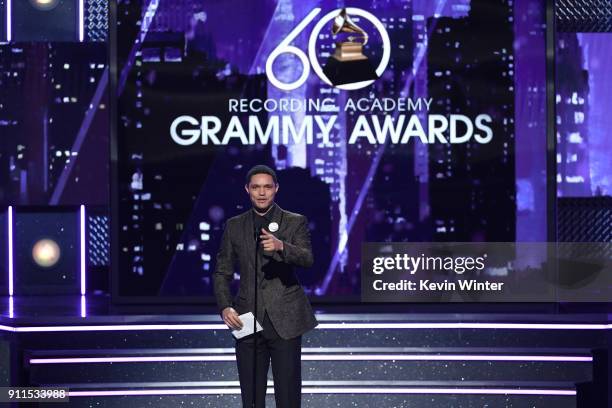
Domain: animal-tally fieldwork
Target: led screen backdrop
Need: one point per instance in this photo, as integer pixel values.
(446, 144)
(54, 104)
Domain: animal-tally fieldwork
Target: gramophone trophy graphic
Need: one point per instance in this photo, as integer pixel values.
(348, 64)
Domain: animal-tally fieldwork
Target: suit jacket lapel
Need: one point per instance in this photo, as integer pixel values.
(249, 238)
(277, 217)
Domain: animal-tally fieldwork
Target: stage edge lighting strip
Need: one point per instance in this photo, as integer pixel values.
(9, 22)
(195, 326)
(332, 390)
(459, 325)
(81, 21)
(319, 357)
(10, 250)
(82, 237)
(83, 306)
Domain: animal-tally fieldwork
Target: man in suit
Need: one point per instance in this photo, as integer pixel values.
(267, 243)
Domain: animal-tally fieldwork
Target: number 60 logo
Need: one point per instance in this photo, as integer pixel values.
(285, 47)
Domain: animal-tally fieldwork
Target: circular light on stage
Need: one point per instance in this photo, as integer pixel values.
(44, 4)
(46, 252)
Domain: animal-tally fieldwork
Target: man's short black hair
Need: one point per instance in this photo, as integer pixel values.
(260, 169)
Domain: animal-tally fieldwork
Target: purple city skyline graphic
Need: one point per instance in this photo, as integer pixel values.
(195, 57)
(189, 57)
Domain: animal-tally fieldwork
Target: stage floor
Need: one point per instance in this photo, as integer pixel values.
(418, 356)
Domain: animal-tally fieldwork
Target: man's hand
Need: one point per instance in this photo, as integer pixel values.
(231, 318)
(269, 242)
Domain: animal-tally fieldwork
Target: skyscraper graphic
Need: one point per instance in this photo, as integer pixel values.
(421, 31)
(530, 120)
(470, 71)
(47, 89)
(328, 160)
(389, 212)
(573, 168)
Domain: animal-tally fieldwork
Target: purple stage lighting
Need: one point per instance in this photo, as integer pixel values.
(82, 252)
(9, 22)
(10, 250)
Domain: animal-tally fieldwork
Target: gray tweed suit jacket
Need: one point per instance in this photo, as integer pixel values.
(279, 289)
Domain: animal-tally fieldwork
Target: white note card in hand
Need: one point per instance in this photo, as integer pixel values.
(247, 326)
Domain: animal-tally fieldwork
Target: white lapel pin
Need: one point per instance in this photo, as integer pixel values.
(273, 227)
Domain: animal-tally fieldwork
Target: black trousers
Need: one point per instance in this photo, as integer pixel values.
(285, 355)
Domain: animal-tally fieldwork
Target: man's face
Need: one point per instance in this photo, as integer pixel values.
(261, 190)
